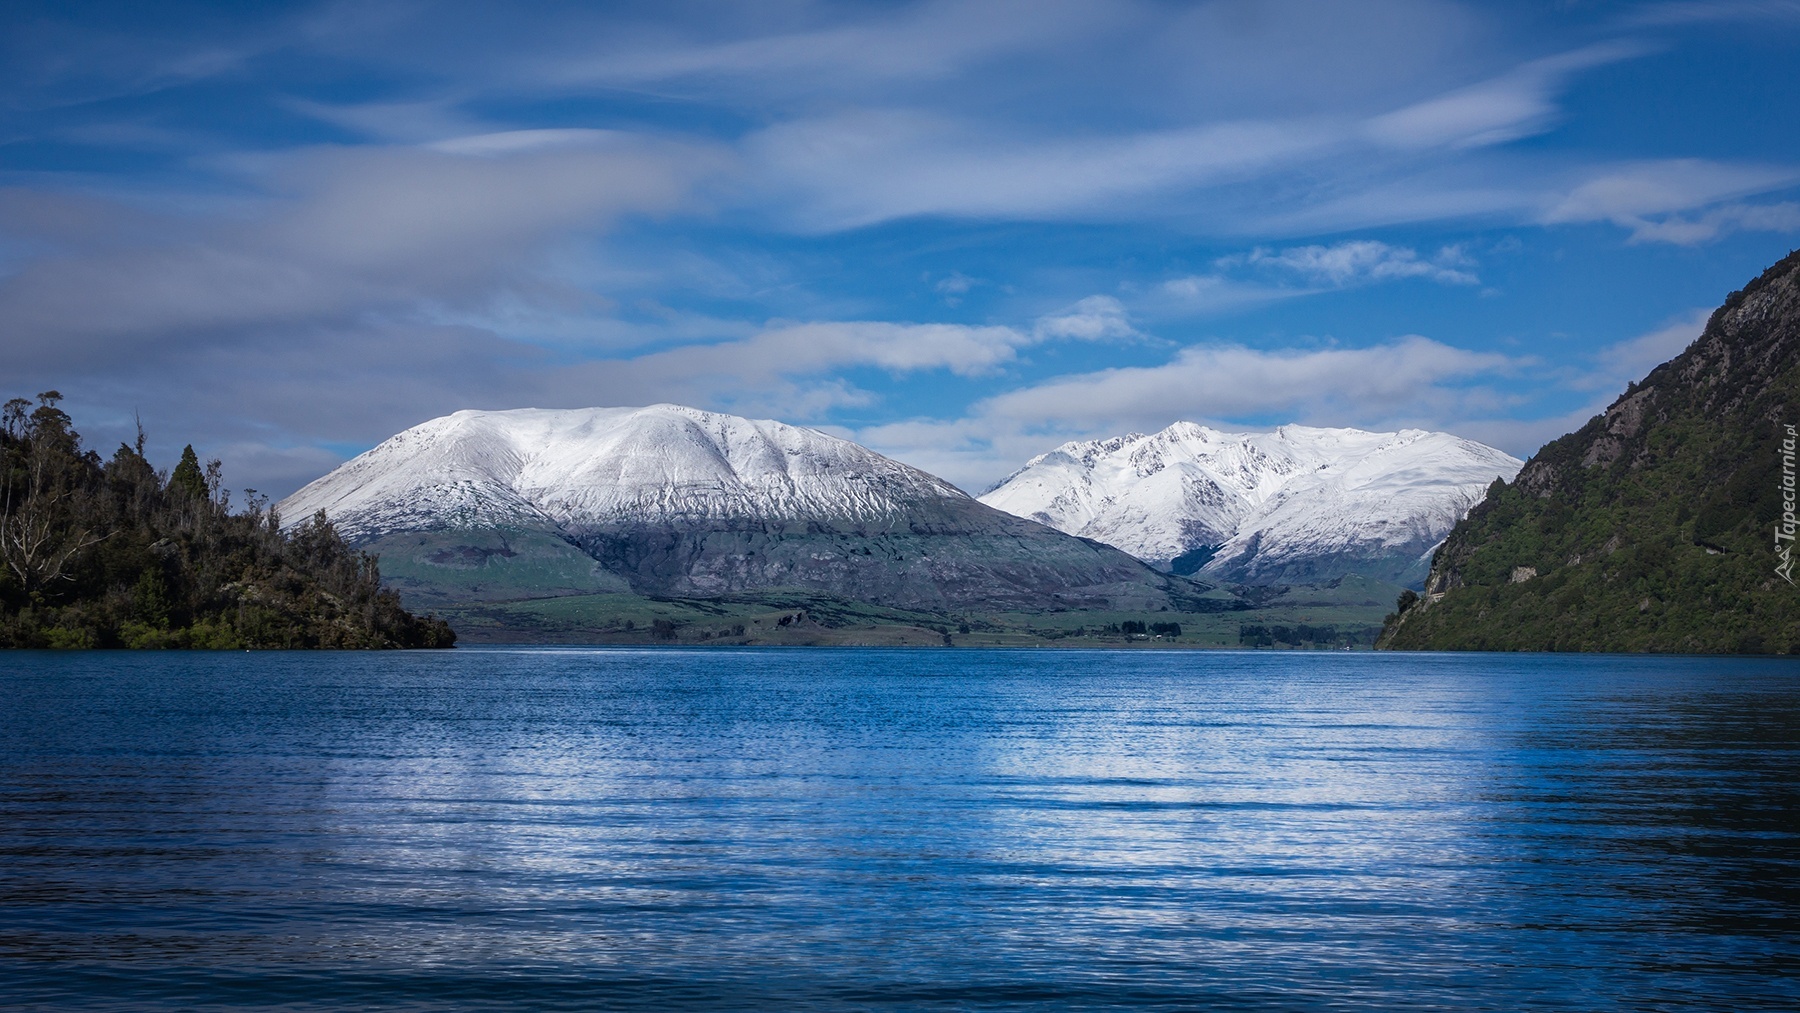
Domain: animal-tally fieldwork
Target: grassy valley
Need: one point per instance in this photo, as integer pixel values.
(1347, 612)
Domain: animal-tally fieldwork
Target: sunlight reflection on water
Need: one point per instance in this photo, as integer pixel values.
(926, 829)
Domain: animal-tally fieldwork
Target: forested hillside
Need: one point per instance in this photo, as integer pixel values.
(113, 553)
(1658, 526)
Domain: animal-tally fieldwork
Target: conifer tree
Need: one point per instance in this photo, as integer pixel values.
(187, 476)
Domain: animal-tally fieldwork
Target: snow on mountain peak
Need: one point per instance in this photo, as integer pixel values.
(596, 466)
(1283, 504)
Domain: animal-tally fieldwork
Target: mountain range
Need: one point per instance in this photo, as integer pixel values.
(1296, 505)
(669, 501)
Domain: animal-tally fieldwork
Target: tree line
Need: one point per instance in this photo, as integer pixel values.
(115, 553)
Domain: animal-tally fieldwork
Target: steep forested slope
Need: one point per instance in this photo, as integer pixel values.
(1655, 526)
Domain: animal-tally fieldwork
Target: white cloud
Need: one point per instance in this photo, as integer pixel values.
(1096, 318)
(1648, 198)
(926, 42)
(1231, 57)
(786, 370)
(1400, 194)
(786, 363)
(1614, 366)
(1491, 113)
(1524, 437)
(1227, 381)
(1517, 104)
(1365, 260)
(394, 122)
(973, 453)
(1631, 359)
(812, 348)
(855, 169)
(1316, 269)
(1719, 221)
(955, 284)
(349, 233)
(954, 287)
(514, 142)
(858, 166)
(1213, 293)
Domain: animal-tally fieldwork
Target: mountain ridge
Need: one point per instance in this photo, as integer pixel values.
(1261, 507)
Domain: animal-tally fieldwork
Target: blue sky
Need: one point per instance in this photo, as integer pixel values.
(960, 233)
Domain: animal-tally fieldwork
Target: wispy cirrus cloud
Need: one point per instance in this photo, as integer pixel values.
(1616, 364)
(1235, 381)
(1598, 380)
(1360, 262)
(1264, 274)
(1681, 201)
(791, 364)
(871, 164)
(1717, 222)
(1518, 103)
(1029, 54)
(1216, 293)
(1694, 12)
(343, 233)
(403, 122)
(774, 56)
(854, 169)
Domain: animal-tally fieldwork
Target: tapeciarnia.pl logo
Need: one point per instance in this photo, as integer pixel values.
(1784, 529)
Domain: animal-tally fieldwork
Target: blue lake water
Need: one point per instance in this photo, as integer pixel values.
(897, 830)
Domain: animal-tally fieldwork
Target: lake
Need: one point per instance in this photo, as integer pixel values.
(897, 830)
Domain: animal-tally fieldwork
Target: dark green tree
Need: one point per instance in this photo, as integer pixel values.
(116, 554)
(47, 512)
(187, 476)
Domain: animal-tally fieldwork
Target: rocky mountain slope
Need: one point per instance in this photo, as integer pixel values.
(1664, 524)
(1294, 505)
(668, 500)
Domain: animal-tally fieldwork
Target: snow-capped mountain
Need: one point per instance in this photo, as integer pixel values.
(583, 467)
(1295, 504)
(673, 500)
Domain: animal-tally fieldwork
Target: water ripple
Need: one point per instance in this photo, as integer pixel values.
(894, 830)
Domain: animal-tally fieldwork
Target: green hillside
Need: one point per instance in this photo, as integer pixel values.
(1655, 527)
